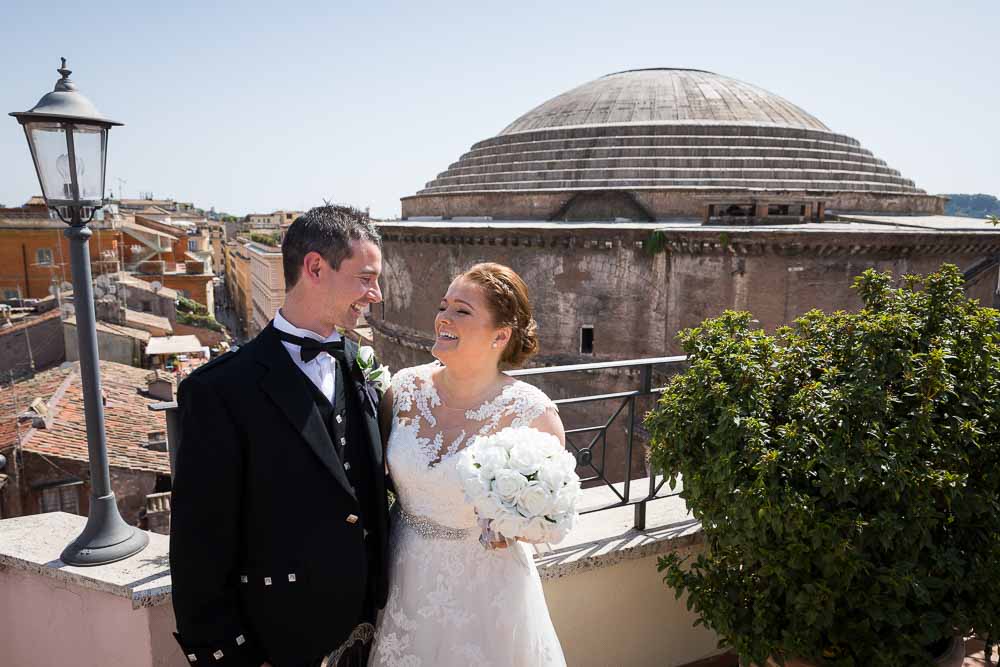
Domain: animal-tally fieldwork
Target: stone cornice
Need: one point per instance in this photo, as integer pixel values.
(597, 239)
(790, 242)
(832, 244)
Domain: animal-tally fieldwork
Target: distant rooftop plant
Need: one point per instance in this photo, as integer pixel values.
(267, 239)
(845, 474)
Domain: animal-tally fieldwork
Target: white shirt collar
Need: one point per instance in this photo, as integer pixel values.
(282, 324)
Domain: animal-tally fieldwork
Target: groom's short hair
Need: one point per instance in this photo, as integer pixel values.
(327, 230)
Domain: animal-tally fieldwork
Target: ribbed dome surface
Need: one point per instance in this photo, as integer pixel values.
(668, 129)
(664, 96)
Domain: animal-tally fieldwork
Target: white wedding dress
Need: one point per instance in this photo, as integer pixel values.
(451, 602)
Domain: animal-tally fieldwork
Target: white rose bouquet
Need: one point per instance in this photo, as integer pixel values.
(523, 482)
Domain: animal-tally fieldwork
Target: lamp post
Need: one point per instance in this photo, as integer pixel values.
(68, 139)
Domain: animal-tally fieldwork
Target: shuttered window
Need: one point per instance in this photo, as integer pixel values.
(62, 498)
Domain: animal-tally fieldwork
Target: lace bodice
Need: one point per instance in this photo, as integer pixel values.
(426, 435)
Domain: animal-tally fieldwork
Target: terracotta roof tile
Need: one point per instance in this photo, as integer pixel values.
(127, 417)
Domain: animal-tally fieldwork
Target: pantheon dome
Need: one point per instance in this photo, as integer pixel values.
(663, 143)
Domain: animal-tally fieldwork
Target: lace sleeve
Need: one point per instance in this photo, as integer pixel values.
(530, 404)
(403, 386)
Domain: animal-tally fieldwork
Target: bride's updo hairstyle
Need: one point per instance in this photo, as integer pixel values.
(508, 298)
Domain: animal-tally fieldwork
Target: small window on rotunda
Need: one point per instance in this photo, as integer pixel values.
(587, 339)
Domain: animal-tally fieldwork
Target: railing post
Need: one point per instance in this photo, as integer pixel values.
(646, 387)
(628, 449)
(640, 516)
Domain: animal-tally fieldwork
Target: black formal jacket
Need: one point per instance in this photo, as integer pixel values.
(267, 552)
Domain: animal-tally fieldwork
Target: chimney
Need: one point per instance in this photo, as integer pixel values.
(156, 441)
(160, 386)
(110, 311)
(152, 267)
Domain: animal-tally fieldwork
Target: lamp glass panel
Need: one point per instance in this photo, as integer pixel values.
(48, 142)
(88, 143)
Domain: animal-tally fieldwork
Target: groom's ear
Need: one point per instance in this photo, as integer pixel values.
(312, 266)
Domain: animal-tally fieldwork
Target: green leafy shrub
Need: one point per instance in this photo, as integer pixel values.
(186, 305)
(198, 320)
(846, 472)
(266, 239)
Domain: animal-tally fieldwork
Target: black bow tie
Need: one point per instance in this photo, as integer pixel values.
(309, 348)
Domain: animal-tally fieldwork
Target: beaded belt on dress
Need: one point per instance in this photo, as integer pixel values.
(428, 528)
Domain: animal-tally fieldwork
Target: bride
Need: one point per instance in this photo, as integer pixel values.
(451, 601)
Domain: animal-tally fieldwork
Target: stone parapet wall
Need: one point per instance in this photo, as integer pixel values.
(121, 613)
(662, 204)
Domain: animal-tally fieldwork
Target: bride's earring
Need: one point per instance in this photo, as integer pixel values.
(494, 345)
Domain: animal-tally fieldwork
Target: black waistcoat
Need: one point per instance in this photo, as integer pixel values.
(343, 423)
(345, 433)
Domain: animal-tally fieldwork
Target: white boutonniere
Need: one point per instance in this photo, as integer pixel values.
(374, 373)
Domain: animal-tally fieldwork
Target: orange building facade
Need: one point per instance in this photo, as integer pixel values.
(35, 255)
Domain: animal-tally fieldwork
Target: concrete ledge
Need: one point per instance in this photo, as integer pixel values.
(607, 537)
(33, 544)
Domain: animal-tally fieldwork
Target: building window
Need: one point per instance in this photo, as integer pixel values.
(586, 340)
(10, 294)
(192, 245)
(147, 307)
(43, 256)
(64, 497)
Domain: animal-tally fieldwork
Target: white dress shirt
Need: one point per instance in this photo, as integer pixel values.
(321, 370)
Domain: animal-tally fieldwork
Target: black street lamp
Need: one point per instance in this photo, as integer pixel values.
(68, 139)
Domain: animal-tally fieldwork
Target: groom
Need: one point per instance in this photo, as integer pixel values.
(279, 514)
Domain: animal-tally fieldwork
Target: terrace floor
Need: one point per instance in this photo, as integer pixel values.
(973, 651)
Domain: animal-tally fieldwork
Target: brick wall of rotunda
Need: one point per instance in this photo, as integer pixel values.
(606, 277)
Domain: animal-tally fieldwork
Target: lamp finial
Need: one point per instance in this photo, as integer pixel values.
(64, 84)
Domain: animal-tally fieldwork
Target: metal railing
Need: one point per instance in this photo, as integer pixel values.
(584, 439)
(587, 441)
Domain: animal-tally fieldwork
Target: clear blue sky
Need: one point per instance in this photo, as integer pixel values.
(258, 106)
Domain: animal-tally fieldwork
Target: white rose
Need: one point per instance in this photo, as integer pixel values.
(548, 444)
(553, 475)
(506, 438)
(536, 530)
(466, 465)
(556, 532)
(474, 488)
(509, 525)
(566, 499)
(508, 483)
(486, 442)
(535, 500)
(491, 460)
(366, 355)
(525, 458)
(489, 506)
(566, 461)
